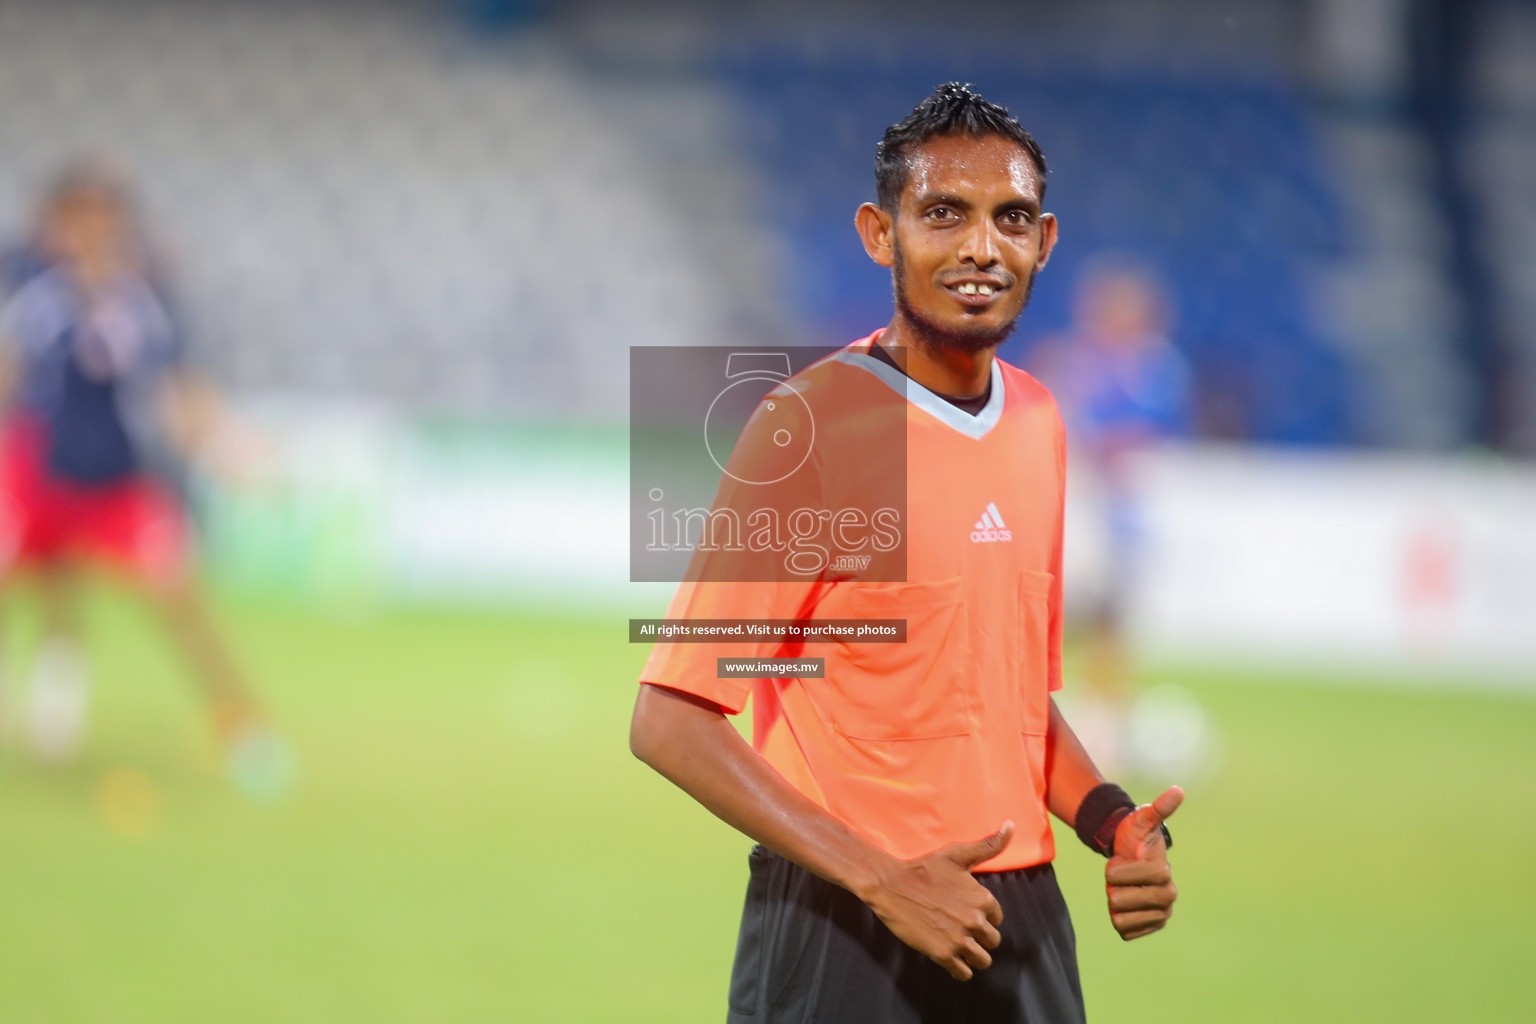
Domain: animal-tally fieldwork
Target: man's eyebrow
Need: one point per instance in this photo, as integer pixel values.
(1029, 206)
(943, 199)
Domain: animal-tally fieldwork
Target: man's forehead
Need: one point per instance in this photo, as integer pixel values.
(989, 165)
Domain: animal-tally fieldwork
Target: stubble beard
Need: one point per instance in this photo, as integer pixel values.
(969, 340)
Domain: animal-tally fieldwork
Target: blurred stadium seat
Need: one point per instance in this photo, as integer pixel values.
(373, 200)
(367, 206)
(1219, 181)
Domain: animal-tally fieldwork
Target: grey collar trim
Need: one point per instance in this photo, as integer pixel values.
(975, 427)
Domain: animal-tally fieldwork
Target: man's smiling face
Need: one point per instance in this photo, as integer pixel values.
(968, 239)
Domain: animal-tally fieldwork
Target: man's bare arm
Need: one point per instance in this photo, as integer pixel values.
(1069, 772)
(690, 742)
(1138, 880)
(931, 903)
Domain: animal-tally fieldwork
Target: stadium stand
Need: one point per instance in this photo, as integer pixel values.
(369, 197)
(1503, 157)
(1218, 182)
(365, 203)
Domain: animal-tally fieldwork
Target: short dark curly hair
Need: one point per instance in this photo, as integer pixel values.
(951, 109)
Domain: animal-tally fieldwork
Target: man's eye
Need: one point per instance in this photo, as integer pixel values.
(1016, 218)
(941, 213)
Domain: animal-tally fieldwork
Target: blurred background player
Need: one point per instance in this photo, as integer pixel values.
(1122, 387)
(101, 417)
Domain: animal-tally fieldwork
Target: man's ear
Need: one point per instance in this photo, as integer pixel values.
(1047, 240)
(876, 229)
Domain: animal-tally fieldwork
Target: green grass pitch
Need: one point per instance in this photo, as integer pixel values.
(471, 841)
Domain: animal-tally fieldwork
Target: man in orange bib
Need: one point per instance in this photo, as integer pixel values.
(900, 801)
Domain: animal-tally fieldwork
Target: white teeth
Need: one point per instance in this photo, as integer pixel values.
(974, 289)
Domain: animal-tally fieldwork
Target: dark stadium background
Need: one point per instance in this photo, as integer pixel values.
(414, 242)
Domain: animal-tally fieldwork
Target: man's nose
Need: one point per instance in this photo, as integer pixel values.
(980, 244)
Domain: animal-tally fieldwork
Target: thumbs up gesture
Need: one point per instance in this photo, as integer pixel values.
(937, 907)
(1137, 878)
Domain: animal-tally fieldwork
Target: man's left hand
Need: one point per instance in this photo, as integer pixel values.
(1138, 879)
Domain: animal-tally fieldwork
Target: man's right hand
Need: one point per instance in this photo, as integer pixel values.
(934, 905)
(931, 903)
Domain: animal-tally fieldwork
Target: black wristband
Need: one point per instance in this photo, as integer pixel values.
(1094, 813)
(1099, 815)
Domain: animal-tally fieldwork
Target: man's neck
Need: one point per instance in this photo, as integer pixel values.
(946, 371)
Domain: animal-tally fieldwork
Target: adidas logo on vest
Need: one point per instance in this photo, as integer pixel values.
(990, 527)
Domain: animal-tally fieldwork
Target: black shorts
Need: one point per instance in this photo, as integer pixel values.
(810, 951)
